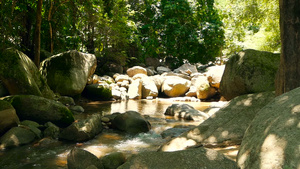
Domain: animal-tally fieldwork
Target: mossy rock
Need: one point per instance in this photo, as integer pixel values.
(98, 92)
(20, 75)
(249, 71)
(67, 73)
(8, 117)
(41, 110)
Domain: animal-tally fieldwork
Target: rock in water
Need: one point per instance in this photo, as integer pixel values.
(67, 73)
(131, 122)
(82, 159)
(20, 75)
(41, 110)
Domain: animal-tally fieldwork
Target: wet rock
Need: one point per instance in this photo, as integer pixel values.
(98, 91)
(174, 86)
(83, 130)
(82, 159)
(20, 75)
(186, 112)
(68, 101)
(136, 70)
(8, 117)
(17, 136)
(272, 139)
(113, 160)
(67, 73)
(194, 158)
(41, 110)
(76, 109)
(131, 122)
(225, 127)
(51, 131)
(249, 71)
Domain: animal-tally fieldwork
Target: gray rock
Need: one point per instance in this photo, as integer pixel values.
(174, 109)
(8, 117)
(173, 132)
(225, 127)
(41, 110)
(17, 136)
(131, 122)
(20, 75)
(186, 112)
(249, 71)
(113, 160)
(186, 68)
(161, 69)
(67, 73)
(189, 159)
(272, 139)
(83, 130)
(82, 159)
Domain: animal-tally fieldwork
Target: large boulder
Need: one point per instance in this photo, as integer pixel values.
(201, 86)
(67, 73)
(136, 70)
(17, 136)
(225, 127)
(8, 117)
(249, 71)
(41, 110)
(272, 139)
(83, 130)
(113, 160)
(82, 159)
(174, 86)
(131, 122)
(200, 158)
(148, 86)
(20, 75)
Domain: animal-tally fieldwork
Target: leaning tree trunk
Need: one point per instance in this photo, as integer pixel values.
(288, 76)
(37, 41)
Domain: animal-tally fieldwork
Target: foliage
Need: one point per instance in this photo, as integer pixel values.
(117, 30)
(250, 24)
(179, 29)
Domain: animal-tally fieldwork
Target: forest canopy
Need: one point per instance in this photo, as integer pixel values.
(122, 31)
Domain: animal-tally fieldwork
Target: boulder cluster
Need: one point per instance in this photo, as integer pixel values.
(35, 105)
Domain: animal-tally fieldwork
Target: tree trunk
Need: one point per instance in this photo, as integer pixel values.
(37, 41)
(289, 71)
(50, 27)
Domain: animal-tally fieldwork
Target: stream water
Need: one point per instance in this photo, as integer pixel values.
(54, 155)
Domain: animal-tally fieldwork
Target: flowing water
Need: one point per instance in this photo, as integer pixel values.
(53, 155)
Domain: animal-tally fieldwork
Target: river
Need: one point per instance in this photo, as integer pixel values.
(53, 156)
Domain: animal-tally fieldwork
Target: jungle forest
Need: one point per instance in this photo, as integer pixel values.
(152, 84)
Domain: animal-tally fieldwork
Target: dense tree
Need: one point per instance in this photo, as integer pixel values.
(289, 72)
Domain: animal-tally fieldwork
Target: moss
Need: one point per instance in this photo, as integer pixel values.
(5, 105)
